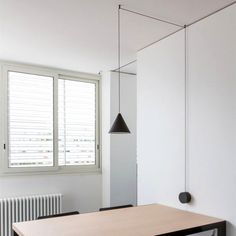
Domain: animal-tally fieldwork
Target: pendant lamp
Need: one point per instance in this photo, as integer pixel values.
(119, 125)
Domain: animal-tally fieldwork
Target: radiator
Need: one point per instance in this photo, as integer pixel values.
(27, 208)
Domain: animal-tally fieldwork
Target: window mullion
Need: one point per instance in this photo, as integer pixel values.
(55, 121)
(65, 137)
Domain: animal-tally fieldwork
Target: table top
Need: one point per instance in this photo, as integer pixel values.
(147, 220)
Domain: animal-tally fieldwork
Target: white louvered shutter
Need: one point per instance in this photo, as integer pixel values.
(30, 120)
(77, 122)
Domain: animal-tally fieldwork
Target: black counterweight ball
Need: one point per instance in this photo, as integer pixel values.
(185, 197)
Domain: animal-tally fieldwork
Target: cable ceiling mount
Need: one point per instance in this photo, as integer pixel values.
(190, 24)
(171, 23)
(150, 17)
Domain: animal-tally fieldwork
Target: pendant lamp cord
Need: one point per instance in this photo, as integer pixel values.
(119, 55)
(185, 109)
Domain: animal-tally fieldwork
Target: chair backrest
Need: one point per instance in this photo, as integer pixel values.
(59, 215)
(115, 207)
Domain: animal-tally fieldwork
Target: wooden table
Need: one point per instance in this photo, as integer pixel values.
(146, 220)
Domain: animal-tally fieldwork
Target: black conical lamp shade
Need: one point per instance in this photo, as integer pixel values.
(119, 125)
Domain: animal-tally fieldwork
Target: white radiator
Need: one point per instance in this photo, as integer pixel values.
(27, 208)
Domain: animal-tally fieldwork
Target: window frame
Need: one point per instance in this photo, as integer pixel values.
(56, 74)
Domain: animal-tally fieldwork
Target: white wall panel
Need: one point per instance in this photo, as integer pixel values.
(212, 119)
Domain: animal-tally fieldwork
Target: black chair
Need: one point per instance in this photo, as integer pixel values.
(115, 207)
(58, 215)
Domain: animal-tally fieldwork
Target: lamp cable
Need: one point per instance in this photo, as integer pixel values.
(151, 17)
(119, 7)
(185, 109)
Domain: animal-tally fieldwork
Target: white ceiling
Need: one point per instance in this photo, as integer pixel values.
(82, 34)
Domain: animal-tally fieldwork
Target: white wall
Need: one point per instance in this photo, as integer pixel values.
(123, 146)
(106, 143)
(80, 192)
(119, 159)
(212, 119)
(161, 122)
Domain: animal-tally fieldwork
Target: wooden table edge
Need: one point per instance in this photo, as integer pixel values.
(216, 224)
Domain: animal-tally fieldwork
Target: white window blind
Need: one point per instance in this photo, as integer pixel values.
(77, 122)
(30, 120)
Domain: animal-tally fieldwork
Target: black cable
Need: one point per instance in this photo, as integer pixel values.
(192, 23)
(127, 64)
(185, 109)
(119, 54)
(151, 17)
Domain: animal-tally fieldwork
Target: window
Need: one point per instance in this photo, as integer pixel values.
(51, 121)
(77, 122)
(30, 120)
